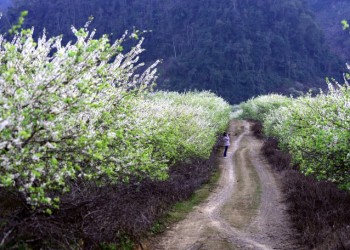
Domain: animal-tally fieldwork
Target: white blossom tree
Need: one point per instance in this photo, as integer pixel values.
(63, 109)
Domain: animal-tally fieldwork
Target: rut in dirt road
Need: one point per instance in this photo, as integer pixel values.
(245, 210)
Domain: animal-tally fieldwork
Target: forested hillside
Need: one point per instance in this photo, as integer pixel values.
(237, 49)
(93, 158)
(329, 14)
(4, 4)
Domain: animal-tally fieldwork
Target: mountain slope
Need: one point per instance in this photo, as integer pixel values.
(237, 49)
(4, 4)
(329, 14)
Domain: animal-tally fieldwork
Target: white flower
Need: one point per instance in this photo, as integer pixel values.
(3, 124)
(55, 135)
(111, 135)
(17, 141)
(3, 144)
(35, 158)
(49, 145)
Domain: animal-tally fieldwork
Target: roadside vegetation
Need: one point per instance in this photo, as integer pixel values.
(307, 143)
(86, 145)
(314, 129)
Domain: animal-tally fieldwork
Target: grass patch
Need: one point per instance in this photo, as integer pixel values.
(256, 197)
(180, 210)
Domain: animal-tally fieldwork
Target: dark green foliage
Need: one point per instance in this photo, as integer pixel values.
(329, 14)
(4, 4)
(237, 49)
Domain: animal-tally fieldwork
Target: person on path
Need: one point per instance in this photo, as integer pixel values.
(226, 140)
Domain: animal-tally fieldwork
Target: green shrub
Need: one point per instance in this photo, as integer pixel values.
(258, 108)
(183, 126)
(81, 111)
(315, 130)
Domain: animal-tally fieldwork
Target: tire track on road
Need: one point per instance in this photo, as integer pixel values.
(244, 211)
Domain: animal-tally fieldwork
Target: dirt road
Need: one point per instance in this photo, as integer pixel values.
(245, 210)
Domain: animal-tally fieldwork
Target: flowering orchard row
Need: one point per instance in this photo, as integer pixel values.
(85, 111)
(315, 130)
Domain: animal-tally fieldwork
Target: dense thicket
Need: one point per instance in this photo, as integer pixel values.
(80, 121)
(313, 129)
(237, 49)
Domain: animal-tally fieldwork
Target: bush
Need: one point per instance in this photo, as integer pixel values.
(81, 111)
(315, 131)
(61, 106)
(258, 108)
(78, 123)
(184, 125)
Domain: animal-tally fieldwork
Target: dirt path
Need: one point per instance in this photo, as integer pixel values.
(245, 210)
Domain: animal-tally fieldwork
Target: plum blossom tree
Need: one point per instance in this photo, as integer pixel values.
(63, 109)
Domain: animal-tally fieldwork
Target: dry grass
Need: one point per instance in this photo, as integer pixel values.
(92, 217)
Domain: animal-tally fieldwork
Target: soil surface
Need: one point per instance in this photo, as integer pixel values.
(244, 212)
